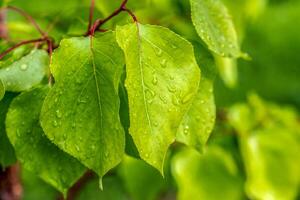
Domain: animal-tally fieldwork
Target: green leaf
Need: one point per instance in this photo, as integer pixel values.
(36, 153)
(26, 72)
(213, 175)
(7, 153)
(162, 80)
(199, 121)
(2, 90)
(215, 27)
(81, 111)
(136, 174)
(271, 158)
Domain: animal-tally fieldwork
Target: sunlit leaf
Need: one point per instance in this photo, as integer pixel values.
(162, 80)
(81, 111)
(215, 27)
(199, 120)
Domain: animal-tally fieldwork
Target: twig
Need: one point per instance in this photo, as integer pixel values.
(21, 44)
(10, 184)
(99, 22)
(28, 17)
(92, 8)
(3, 28)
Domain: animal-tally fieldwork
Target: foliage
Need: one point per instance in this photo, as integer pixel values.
(151, 99)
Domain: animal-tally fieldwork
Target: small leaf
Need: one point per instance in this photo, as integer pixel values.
(215, 27)
(7, 153)
(36, 153)
(198, 122)
(26, 72)
(211, 176)
(81, 111)
(162, 80)
(2, 90)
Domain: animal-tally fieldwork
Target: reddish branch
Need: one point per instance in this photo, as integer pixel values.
(99, 22)
(28, 17)
(10, 185)
(3, 28)
(21, 44)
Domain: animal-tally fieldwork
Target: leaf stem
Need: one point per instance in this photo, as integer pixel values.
(92, 8)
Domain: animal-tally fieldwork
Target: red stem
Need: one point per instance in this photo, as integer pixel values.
(28, 17)
(99, 22)
(10, 184)
(20, 44)
(92, 8)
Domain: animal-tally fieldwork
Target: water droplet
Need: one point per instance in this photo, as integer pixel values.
(187, 98)
(18, 133)
(58, 114)
(172, 88)
(7, 69)
(147, 155)
(93, 147)
(202, 101)
(77, 148)
(55, 123)
(73, 125)
(158, 52)
(186, 130)
(173, 46)
(163, 63)
(155, 123)
(24, 67)
(154, 81)
(172, 77)
(106, 154)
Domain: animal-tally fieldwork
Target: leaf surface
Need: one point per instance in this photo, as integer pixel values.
(25, 73)
(199, 121)
(215, 27)
(36, 153)
(81, 111)
(162, 81)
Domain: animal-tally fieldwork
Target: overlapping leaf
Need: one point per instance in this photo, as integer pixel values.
(81, 111)
(198, 122)
(33, 149)
(215, 27)
(26, 72)
(162, 81)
